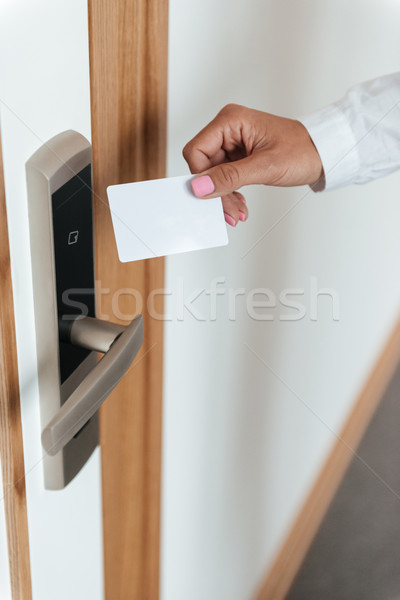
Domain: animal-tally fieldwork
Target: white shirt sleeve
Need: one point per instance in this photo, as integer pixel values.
(358, 138)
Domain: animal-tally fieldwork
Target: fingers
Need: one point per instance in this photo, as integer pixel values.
(235, 208)
(206, 148)
(222, 156)
(221, 136)
(225, 178)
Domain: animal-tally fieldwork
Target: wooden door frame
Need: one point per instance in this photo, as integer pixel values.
(11, 443)
(128, 76)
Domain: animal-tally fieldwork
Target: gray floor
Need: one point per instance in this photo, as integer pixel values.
(356, 554)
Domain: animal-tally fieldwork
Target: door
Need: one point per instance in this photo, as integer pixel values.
(100, 70)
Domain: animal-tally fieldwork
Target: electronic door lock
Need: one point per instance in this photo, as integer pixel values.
(73, 383)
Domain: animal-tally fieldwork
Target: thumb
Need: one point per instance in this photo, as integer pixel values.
(227, 177)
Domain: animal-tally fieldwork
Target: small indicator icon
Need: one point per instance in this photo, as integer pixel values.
(73, 237)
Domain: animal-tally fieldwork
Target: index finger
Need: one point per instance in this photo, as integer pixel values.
(205, 149)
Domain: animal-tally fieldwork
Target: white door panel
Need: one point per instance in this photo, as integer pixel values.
(44, 83)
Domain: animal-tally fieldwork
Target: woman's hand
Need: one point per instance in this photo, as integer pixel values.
(242, 146)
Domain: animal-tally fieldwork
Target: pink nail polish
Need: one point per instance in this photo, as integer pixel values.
(229, 220)
(202, 186)
(242, 216)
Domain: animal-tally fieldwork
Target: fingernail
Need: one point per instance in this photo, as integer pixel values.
(202, 186)
(242, 216)
(229, 220)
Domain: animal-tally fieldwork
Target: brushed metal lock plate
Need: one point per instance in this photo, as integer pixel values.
(61, 234)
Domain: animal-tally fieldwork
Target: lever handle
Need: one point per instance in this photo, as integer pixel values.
(120, 344)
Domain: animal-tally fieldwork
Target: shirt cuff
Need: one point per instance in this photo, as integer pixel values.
(334, 140)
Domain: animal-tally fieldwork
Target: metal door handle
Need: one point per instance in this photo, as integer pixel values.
(120, 345)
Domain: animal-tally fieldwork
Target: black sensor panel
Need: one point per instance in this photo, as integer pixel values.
(72, 208)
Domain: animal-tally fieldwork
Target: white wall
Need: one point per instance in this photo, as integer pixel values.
(245, 437)
(44, 83)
